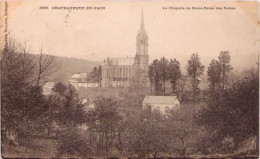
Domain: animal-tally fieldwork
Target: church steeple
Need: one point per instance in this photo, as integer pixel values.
(142, 37)
(142, 23)
(141, 57)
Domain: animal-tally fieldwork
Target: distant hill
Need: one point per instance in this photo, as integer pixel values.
(69, 66)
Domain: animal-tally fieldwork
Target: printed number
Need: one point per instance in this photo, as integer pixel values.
(43, 7)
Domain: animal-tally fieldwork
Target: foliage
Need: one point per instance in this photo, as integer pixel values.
(105, 121)
(147, 136)
(59, 88)
(224, 59)
(214, 73)
(45, 67)
(95, 75)
(121, 126)
(24, 109)
(163, 73)
(154, 75)
(180, 89)
(233, 113)
(139, 82)
(72, 143)
(69, 114)
(174, 73)
(195, 69)
(69, 111)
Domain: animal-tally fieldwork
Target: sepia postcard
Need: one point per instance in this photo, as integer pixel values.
(129, 79)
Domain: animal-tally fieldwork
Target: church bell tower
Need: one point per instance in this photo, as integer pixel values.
(141, 57)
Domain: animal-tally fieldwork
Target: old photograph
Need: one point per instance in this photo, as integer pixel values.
(129, 79)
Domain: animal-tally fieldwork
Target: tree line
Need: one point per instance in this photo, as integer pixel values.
(163, 70)
(22, 100)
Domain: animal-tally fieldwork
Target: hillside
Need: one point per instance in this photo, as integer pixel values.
(66, 67)
(69, 66)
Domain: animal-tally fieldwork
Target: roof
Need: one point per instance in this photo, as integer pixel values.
(47, 88)
(80, 75)
(49, 84)
(160, 100)
(120, 61)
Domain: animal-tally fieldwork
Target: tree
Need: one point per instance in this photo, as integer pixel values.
(146, 137)
(224, 59)
(174, 72)
(69, 114)
(95, 75)
(195, 69)
(105, 121)
(139, 81)
(181, 84)
(69, 111)
(151, 74)
(45, 67)
(154, 74)
(59, 88)
(24, 109)
(214, 73)
(163, 67)
(232, 113)
(179, 128)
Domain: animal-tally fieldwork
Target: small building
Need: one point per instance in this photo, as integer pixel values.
(47, 88)
(81, 80)
(161, 102)
(85, 84)
(79, 77)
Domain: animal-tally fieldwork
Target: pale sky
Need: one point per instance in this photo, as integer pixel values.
(97, 34)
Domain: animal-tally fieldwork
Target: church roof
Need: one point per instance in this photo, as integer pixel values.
(121, 61)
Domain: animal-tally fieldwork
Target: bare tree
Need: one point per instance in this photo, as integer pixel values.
(16, 76)
(46, 67)
(17, 58)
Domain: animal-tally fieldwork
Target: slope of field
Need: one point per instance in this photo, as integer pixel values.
(92, 93)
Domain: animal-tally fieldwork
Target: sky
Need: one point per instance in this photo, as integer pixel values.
(97, 34)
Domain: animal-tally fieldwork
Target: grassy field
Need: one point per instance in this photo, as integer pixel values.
(92, 93)
(37, 147)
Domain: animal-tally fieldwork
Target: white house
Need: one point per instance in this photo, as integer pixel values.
(81, 81)
(47, 88)
(161, 102)
(78, 77)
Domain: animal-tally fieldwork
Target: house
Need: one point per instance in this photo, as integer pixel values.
(47, 88)
(81, 80)
(79, 77)
(161, 102)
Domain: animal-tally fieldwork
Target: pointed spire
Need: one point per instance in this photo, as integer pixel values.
(142, 30)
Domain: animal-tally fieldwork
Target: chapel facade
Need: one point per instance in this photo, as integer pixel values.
(117, 72)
